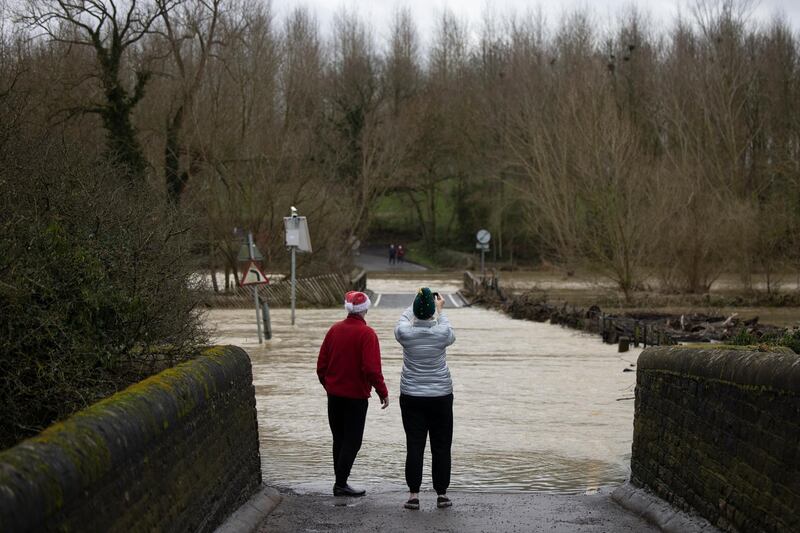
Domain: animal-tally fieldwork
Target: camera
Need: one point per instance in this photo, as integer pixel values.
(435, 295)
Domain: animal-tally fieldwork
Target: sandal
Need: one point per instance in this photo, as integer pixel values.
(413, 503)
(443, 501)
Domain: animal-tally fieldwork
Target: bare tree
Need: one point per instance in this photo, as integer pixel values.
(110, 28)
(191, 31)
(363, 135)
(617, 146)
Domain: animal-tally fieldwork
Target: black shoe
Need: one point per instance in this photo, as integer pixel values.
(412, 503)
(347, 490)
(443, 501)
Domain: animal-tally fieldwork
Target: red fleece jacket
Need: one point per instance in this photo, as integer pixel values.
(349, 362)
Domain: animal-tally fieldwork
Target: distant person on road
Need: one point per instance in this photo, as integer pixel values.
(401, 253)
(426, 393)
(392, 254)
(349, 366)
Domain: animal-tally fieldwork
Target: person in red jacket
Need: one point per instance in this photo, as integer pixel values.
(349, 366)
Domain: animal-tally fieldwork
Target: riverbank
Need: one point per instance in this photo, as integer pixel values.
(726, 297)
(650, 324)
(474, 512)
(646, 327)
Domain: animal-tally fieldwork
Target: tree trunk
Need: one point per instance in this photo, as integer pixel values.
(431, 241)
(122, 146)
(175, 178)
(212, 265)
(423, 226)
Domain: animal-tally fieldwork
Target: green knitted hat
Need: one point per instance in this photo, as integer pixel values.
(424, 306)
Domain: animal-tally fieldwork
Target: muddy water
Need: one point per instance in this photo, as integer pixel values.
(535, 405)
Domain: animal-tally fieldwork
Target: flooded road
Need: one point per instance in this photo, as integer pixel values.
(536, 406)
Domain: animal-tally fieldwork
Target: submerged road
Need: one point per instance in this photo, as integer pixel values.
(401, 301)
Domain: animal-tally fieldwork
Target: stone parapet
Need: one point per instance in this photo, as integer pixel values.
(175, 452)
(717, 431)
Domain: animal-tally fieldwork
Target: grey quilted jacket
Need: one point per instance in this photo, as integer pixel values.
(424, 342)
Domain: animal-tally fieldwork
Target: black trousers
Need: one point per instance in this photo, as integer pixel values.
(346, 417)
(423, 416)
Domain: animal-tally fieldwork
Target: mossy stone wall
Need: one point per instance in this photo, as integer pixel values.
(176, 452)
(718, 432)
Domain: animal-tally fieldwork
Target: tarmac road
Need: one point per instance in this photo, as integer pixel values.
(471, 512)
(376, 259)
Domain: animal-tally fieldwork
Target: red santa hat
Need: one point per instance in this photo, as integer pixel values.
(356, 302)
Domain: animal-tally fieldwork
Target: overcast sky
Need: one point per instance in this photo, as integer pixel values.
(379, 12)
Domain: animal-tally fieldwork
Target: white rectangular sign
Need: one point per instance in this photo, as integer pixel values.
(297, 233)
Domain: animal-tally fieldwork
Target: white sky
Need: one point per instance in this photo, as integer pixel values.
(379, 12)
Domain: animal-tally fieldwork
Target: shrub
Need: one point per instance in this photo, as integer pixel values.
(744, 338)
(789, 339)
(95, 287)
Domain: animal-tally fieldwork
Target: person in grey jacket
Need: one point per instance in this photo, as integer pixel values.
(426, 393)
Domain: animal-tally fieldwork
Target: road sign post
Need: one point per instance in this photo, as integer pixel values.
(265, 319)
(294, 280)
(252, 275)
(483, 237)
(251, 247)
(298, 240)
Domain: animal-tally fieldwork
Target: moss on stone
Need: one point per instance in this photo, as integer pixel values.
(770, 348)
(46, 472)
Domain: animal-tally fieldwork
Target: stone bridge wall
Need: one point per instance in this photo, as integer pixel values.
(718, 431)
(176, 452)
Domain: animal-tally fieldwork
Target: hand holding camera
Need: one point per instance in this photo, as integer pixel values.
(437, 298)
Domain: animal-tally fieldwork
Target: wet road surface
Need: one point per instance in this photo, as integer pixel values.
(593, 513)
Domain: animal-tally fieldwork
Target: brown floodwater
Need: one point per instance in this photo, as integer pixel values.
(537, 407)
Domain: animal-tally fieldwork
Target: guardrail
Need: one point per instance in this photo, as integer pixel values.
(483, 288)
